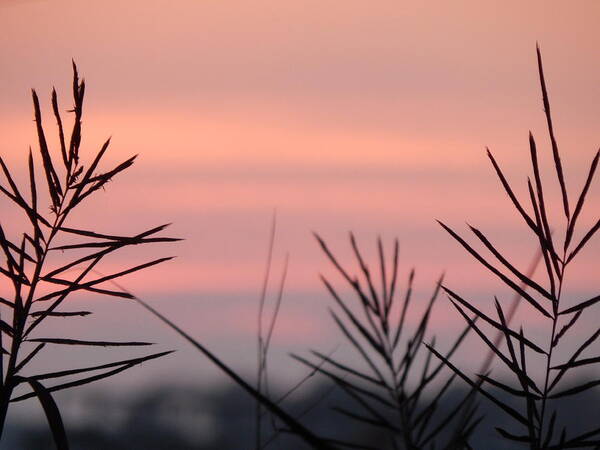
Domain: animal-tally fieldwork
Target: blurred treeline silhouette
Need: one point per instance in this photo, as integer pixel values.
(190, 418)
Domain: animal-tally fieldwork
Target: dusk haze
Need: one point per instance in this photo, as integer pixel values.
(292, 146)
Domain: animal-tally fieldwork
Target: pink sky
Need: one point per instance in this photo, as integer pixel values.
(343, 115)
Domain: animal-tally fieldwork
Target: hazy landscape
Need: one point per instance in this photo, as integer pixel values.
(266, 132)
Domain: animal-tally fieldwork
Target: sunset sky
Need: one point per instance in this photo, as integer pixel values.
(340, 115)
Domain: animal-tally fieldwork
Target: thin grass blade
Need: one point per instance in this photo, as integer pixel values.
(584, 240)
(555, 153)
(496, 272)
(52, 414)
(454, 296)
(130, 361)
(51, 177)
(581, 200)
(65, 341)
(581, 306)
(508, 409)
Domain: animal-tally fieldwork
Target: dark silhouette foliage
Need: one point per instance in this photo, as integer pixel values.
(39, 270)
(537, 424)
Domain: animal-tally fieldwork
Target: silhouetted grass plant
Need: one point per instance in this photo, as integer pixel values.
(399, 391)
(38, 279)
(538, 422)
(265, 335)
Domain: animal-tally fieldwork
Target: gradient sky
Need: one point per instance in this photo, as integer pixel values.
(341, 115)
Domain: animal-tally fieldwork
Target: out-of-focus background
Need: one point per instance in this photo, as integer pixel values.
(342, 115)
